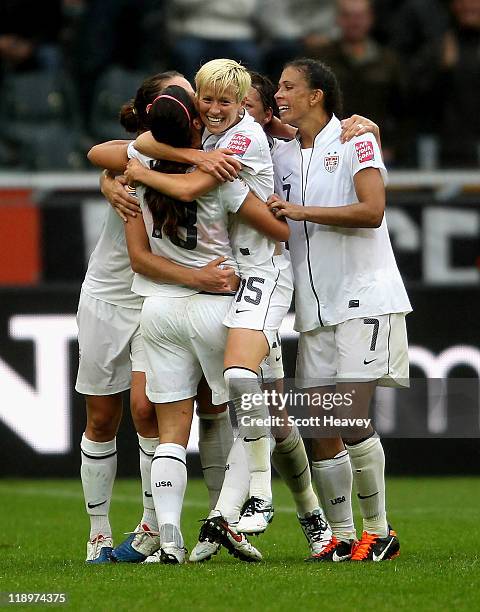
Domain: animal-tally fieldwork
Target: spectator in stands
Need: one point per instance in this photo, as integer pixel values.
(280, 35)
(458, 86)
(317, 21)
(410, 26)
(202, 30)
(370, 75)
(293, 28)
(29, 34)
(114, 32)
(414, 29)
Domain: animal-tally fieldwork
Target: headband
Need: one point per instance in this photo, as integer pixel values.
(170, 98)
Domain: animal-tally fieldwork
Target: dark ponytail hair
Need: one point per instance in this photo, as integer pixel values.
(133, 114)
(320, 76)
(171, 118)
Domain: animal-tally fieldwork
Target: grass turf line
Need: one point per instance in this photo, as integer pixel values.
(44, 532)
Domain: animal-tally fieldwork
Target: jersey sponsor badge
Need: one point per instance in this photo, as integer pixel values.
(364, 151)
(330, 162)
(239, 144)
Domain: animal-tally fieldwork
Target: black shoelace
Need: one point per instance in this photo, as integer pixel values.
(253, 505)
(315, 526)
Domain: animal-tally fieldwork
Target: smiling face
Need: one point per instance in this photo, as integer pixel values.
(219, 110)
(294, 96)
(255, 108)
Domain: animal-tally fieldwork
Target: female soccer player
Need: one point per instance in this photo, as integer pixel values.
(265, 293)
(183, 336)
(111, 358)
(350, 299)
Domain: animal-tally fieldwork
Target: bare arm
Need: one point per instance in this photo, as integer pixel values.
(254, 212)
(111, 155)
(183, 187)
(219, 163)
(114, 190)
(210, 278)
(367, 212)
(277, 129)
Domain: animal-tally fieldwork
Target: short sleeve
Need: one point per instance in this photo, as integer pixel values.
(233, 194)
(365, 153)
(251, 150)
(134, 154)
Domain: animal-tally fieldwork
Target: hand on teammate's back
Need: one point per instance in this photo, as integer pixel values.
(220, 164)
(216, 278)
(115, 191)
(134, 171)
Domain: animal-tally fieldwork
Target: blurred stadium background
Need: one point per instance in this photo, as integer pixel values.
(66, 66)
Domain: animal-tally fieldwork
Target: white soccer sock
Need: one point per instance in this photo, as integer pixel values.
(98, 470)
(215, 439)
(251, 415)
(236, 484)
(368, 465)
(146, 450)
(333, 481)
(169, 480)
(291, 462)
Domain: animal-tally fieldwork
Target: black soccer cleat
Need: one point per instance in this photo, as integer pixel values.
(336, 551)
(216, 529)
(372, 547)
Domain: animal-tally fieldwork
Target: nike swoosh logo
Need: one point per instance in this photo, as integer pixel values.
(237, 537)
(277, 358)
(338, 559)
(96, 505)
(247, 310)
(147, 494)
(366, 496)
(284, 178)
(383, 553)
(365, 362)
(253, 439)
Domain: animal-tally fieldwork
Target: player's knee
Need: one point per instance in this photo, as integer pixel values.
(101, 427)
(143, 412)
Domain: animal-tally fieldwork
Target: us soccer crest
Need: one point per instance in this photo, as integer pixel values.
(331, 162)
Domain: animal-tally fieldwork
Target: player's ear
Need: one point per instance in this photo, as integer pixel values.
(316, 97)
(197, 123)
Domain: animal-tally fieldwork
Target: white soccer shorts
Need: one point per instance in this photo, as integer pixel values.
(261, 302)
(357, 350)
(110, 346)
(184, 338)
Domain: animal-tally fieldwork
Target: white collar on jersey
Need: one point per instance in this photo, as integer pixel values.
(327, 134)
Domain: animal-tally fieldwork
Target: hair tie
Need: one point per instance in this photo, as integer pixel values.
(170, 98)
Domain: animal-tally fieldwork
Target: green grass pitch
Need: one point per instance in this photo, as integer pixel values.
(44, 529)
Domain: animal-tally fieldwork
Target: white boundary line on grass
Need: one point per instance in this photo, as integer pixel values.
(123, 499)
(127, 499)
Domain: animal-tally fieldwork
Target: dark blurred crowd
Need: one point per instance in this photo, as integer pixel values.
(66, 66)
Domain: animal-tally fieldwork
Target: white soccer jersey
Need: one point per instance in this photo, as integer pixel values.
(340, 273)
(202, 239)
(109, 275)
(248, 141)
